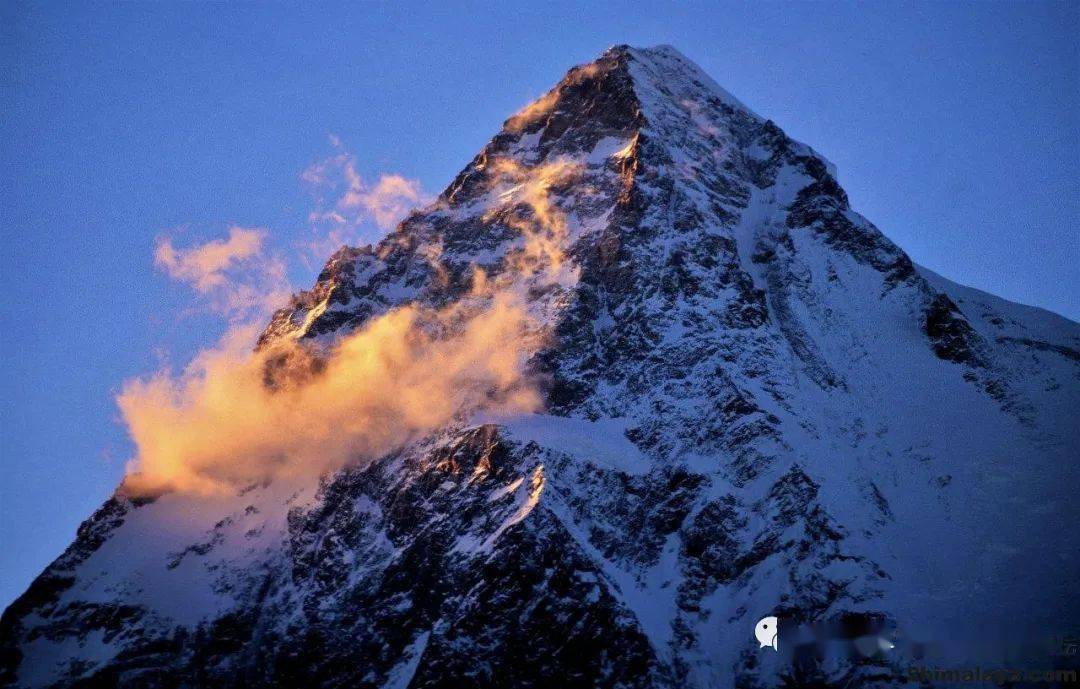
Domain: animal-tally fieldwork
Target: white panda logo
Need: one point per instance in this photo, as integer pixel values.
(766, 633)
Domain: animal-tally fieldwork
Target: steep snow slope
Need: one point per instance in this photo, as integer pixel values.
(756, 404)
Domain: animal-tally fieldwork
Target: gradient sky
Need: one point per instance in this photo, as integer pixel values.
(954, 127)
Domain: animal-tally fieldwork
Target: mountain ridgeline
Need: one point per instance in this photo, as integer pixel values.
(753, 403)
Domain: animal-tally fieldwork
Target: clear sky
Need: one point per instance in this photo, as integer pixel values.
(954, 127)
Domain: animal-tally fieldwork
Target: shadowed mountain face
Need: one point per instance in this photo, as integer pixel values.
(755, 404)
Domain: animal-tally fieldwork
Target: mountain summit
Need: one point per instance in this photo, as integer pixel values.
(750, 403)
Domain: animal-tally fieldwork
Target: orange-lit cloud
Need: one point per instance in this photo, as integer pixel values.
(219, 425)
(544, 226)
(236, 276)
(543, 105)
(204, 266)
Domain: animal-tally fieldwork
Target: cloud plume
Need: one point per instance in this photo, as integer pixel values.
(544, 227)
(219, 424)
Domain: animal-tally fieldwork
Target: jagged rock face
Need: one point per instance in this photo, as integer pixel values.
(756, 404)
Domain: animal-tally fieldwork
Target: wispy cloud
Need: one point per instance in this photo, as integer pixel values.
(204, 266)
(236, 277)
(542, 106)
(352, 210)
(387, 202)
(544, 226)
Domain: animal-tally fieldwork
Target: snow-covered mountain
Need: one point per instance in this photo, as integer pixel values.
(755, 404)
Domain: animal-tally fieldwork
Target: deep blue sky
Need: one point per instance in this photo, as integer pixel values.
(954, 127)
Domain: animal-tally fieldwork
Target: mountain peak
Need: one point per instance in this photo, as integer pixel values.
(650, 85)
(669, 66)
(615, 141)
